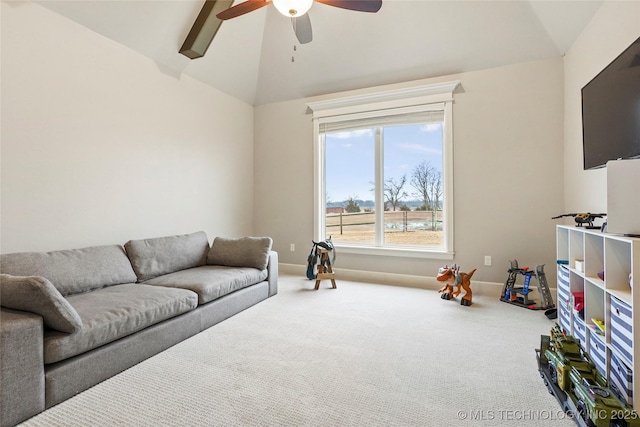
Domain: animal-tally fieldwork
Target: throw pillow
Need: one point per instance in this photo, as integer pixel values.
(162, 255)
(37, 295)
(242, 252)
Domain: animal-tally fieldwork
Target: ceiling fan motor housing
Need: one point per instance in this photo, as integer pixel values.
(293, 8)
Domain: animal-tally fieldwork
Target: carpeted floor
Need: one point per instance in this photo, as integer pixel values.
(359, 355)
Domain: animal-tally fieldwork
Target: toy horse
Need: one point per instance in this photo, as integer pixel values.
(452, 277)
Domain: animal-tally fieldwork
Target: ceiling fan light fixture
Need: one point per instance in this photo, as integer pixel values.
(293, 8)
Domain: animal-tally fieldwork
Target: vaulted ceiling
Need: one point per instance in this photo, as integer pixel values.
(256, 57)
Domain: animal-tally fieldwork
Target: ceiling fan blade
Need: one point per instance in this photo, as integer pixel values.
(242, 8)
(302, 28)
(358, 5)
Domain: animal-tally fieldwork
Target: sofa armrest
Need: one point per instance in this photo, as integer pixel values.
(21, 366)
(272, 270)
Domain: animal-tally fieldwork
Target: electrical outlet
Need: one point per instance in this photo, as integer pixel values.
(487, 260)
(292, 247)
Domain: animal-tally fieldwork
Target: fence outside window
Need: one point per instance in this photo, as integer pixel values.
(423, 228)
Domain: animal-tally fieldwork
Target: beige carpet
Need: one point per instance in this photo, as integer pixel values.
(360, 355)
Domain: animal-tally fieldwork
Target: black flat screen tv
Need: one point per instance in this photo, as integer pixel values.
(611, 111)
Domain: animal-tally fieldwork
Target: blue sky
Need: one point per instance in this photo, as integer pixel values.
(350, 158)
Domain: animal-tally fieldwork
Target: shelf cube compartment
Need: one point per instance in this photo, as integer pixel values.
(621, 328)
(598, 352)
(621, 376)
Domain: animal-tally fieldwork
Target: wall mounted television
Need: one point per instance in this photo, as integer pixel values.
(611, 111)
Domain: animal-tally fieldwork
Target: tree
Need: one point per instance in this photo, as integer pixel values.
(352, 205)
(393, 193)
(427, 181)
(435, 190)
(420, 179)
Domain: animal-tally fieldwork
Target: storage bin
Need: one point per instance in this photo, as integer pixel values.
(564, 318)
(622, 377)
(621, 328)
(598, 351)
(564, 297)
(580, 332)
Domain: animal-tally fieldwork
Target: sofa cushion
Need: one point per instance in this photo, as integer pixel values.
(73, 271)
(211, 281)
(115, 312)
(37, 295)
(242, 252)
(154, 257)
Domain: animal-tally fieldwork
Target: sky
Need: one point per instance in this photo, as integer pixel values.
(350, 158)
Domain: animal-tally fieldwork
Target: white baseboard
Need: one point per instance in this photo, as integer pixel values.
(478, 287)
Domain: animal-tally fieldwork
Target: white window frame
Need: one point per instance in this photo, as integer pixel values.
(414, 98)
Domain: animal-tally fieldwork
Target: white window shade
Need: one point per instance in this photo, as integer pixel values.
(433, 113)
(385, 100)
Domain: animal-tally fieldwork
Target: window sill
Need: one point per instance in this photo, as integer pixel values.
(403, 252)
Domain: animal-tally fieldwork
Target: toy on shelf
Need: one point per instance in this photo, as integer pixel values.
(452, 277)
(520, 295)
(577, 301)
(584, 218)
(599, 326)
(581, 390)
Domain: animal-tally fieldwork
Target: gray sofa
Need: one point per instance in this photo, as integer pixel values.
(73, 318)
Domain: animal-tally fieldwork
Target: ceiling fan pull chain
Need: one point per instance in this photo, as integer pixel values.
(293, 57)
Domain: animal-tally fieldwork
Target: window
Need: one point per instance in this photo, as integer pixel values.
(383, 172)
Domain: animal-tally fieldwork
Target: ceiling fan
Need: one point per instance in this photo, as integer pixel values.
(297, 11)
(214, 12)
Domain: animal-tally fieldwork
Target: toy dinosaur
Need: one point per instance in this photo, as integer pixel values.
(452, 277)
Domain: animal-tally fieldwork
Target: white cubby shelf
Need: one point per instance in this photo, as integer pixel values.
(613, 299)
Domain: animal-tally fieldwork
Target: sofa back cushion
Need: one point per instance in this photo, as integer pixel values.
(73, 271)
(243, 252)
(162, 255)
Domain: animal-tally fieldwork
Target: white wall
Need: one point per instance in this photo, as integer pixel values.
(100, 146)
(614, 27)
(508, 128)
